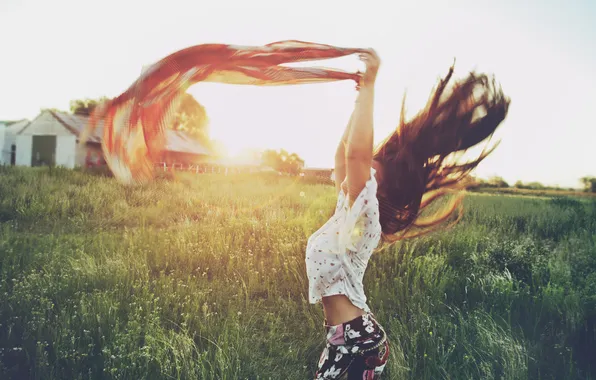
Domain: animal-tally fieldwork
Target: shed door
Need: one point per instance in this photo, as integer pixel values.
(43, 150)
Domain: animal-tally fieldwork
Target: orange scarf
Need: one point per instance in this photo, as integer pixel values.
(134, 123)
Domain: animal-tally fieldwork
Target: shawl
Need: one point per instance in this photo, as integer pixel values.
(135, 122)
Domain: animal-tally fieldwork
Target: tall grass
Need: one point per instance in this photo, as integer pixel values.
(203, 278)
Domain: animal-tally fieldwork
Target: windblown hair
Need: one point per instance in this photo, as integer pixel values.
(416, 171)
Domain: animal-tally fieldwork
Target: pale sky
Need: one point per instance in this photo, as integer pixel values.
(542, 52)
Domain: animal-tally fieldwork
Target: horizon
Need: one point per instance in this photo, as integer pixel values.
(543, 58)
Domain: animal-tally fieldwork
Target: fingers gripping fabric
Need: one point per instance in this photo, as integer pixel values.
(134, 122)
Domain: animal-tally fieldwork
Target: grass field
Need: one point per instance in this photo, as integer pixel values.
(204, 278)
(536, 193)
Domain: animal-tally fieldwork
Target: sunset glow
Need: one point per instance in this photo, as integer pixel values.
(542, 54)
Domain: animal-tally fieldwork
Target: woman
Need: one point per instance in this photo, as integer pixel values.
(380, 198)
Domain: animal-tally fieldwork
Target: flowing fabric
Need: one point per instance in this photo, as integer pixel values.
(134, 123)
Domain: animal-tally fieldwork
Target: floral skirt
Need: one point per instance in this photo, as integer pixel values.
(357, 349)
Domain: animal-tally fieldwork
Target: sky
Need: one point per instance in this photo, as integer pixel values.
(542, 52)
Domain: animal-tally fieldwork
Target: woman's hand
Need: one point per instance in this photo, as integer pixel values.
(372, 62)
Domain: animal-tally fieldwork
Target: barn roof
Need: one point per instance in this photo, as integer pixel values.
(15, 127)
(76, 124)
(10, 122)
(176, 141)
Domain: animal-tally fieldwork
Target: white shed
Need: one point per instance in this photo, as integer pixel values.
(51, 139)
(2, 134)
(8, 136)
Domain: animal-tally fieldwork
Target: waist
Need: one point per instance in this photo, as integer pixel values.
(339, 309)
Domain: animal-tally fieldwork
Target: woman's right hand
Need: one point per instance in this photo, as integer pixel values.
(372, 62)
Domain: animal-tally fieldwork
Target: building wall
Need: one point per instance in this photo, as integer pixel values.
(183, 158)
(86, 152)
(2, 134)
(10, 140)
(24, 150)
(66, 151)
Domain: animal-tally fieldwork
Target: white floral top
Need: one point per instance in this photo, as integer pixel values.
(337, 254)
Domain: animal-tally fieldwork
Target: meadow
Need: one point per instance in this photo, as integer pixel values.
(203, 277)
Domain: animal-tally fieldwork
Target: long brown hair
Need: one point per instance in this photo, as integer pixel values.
(415, 169)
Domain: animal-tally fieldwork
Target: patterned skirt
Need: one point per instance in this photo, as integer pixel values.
(357, 349)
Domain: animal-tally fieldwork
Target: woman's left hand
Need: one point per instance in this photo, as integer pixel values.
(373, 62)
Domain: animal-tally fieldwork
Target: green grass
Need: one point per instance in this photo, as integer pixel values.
(204, 278)
(542, 193)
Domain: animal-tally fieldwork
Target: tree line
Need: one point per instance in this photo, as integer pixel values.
(588, 183)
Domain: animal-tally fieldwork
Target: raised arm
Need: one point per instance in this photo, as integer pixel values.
(340, 156)
(360, 139)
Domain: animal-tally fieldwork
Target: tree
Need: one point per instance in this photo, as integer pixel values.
(476, 181)
(535, 186)
(283, 161)
(85, 107)
(494, 181)
(497, 182)
(270, 158)
(589, 184)
(191, 118)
